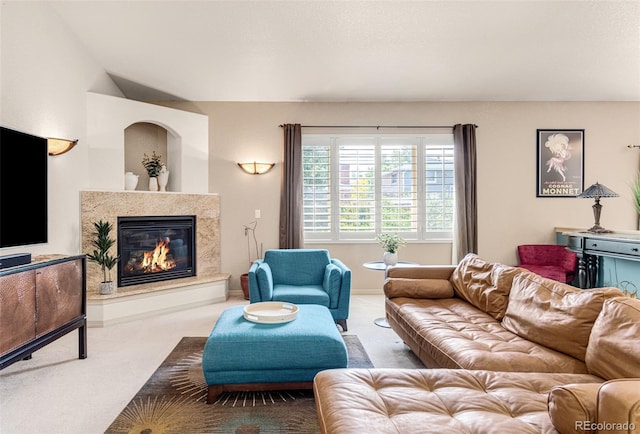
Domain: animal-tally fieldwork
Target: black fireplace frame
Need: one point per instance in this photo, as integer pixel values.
(146, 222)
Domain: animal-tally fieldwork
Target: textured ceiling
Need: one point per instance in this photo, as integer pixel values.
(364, 51)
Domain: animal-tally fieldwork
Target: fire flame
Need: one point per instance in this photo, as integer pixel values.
(157, 260)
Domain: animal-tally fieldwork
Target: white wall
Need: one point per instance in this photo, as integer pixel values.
(187, 142)
(51, 87)
(45, 74)
(509, 211)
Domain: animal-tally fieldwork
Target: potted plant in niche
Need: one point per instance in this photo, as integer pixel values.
(153, 165)
(390, 243)
(250, 233)
(103, 242)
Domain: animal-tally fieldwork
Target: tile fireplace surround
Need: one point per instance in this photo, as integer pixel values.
(136, 301)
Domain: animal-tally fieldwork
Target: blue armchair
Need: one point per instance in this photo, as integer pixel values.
(302, 276)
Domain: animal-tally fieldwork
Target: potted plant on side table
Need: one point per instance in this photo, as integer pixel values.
(103, 242)
(390, 243)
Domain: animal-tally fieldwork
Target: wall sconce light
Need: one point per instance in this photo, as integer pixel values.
(596, 191)
(256, 168)
(59, 146)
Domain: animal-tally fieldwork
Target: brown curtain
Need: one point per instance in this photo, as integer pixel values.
(466, 222)
(291, 189)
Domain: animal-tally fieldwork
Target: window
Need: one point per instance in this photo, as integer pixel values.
(358, 186)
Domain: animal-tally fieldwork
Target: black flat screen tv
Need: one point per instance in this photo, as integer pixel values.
(23, 189)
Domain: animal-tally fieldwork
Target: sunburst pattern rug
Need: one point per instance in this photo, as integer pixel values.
(173, 400)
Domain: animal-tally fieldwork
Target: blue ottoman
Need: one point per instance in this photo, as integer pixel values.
(242, 355)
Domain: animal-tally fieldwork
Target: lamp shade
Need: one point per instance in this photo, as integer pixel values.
(255, 168)
(59, 146)
(598, 190)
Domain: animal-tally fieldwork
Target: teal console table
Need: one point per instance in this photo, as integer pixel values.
(599, 251)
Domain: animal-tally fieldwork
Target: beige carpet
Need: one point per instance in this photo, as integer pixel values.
(174, 400)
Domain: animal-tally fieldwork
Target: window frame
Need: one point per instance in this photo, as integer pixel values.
(442, 141)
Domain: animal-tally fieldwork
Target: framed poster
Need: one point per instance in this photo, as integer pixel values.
(560, 171)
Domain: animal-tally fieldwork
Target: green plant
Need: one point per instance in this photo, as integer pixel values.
(250, 232)
(635, 188)
(103, 242)
(152, 163)
(391, 242)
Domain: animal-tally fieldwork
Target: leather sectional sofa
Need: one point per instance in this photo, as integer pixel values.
(518, 353)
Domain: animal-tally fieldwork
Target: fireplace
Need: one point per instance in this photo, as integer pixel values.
(156, 248)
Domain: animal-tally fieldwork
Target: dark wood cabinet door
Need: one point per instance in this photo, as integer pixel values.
(58, 295)
(17, 310)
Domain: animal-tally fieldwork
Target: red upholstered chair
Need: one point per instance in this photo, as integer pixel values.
(548, 260)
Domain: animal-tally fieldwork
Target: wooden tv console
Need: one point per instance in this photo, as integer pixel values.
(41, 302)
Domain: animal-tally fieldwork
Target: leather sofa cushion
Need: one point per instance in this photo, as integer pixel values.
(571, 403)
(435, 400)
(483, 284)
(417, 288)
(614, 344)
(554, 314)
(450, 333)
(422, 271)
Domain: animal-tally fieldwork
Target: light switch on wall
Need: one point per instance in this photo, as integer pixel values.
(257, 214)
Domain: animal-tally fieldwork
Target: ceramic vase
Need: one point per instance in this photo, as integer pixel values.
(163, 179)
(390, 258)
(153, 184)
(130, 181)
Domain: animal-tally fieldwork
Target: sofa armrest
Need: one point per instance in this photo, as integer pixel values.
(422, 272)
(343, 268)
(417, 288)
(331, 283)
(572, 407)
(606, 408)
(344, 294)
(260, 282)
(619, 406)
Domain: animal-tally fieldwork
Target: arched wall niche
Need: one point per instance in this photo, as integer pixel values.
(187, 147)
(145, 138)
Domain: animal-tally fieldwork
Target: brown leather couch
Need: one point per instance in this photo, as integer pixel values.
(517, 353)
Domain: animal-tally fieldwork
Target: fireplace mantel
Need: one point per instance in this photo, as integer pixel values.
(109, 205)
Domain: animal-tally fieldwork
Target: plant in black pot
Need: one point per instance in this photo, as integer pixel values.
(103, 242)
(250, 233)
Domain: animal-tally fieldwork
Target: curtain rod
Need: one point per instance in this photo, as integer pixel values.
(375, 126)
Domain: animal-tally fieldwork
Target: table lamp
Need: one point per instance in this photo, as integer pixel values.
(596, 191)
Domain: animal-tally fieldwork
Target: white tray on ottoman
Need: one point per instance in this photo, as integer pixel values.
(271, 312)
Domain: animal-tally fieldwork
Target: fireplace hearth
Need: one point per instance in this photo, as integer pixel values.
(156, 248)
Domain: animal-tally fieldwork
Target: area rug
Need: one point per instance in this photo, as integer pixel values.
(173, 400)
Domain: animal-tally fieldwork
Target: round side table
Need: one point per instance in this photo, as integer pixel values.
(381, 266)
